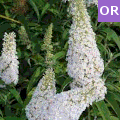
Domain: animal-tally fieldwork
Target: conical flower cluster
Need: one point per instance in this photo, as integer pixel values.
(44, 90)
(8, 60)
(47, 46)
(24, 37)
(84, 61)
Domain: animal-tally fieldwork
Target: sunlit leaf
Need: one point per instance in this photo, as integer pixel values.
(110, 99)
(59, 55)
(103, 110)
(16, 95)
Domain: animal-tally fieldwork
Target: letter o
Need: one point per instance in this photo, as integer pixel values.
(102, 8)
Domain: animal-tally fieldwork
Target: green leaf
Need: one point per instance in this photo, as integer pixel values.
(35, 75)
(113, 87)
(112, 58)
(65, 34)
(2, 82)
(45, 9)
(29, 95)
(117, 40)
(38, 58)
(102, 48)
(59, 55)
(8, 111)
(1, 118)
(40, 3)
(115, 56)
(111, 100)
(1, 114)
(3, 1)
(12, 118)
(16, 95)
(110, 87)
(65, 83)
(105, 113)
(95, 111)
(117, 97)
(111, 35)
(54, 11)
(114, 118)
(35, 8)
(17, 106)
(66, 46)
(99, 38)
(116, 24)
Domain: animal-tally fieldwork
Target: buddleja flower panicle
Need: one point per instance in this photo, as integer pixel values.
(9, 60)
(84, 61)
(44, 90)
(47, 46)
(23, 37)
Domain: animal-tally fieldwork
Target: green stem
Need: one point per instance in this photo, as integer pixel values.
(89, 113)
(5, 17)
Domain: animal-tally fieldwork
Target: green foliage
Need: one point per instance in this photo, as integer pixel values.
(39, 16)
(102, 107)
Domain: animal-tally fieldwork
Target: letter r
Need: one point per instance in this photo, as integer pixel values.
(114, 10)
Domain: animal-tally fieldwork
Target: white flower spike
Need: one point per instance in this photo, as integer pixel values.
(8, 60)
(45, 89)
(83, 56)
